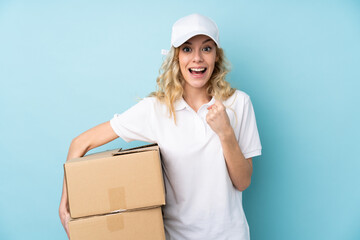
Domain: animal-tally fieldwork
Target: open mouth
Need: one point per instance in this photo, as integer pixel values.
(197, 70)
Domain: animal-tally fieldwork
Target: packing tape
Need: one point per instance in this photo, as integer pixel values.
(117, 198)
(115, 222)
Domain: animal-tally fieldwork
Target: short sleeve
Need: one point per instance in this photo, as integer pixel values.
(135, 123)
(249, 140)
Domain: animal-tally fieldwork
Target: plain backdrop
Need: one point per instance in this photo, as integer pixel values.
(66, 66)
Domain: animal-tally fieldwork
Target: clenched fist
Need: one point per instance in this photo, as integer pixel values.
(218, 119)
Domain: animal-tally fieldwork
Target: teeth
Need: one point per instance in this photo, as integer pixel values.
(197, 69)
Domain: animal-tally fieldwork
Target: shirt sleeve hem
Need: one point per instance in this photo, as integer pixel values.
(252, 154)
(116, 130)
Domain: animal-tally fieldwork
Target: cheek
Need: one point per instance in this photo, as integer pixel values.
(182, 68)
(212, 62)
(182, 63)
(214, 59)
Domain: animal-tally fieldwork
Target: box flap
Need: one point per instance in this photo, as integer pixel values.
(150, 147)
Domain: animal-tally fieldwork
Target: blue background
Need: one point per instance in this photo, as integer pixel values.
(67, 66)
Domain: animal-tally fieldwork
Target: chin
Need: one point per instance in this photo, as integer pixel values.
(197, 84)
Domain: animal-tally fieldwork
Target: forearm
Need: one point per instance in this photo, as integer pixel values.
(78, 148)
(239, 168)
(92, 138)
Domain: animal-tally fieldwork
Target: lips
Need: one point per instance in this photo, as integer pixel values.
(197, 71)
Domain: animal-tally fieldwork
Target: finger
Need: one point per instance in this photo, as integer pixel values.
(210, 116)
(67, 227)
(211, 106)
(67, 232)
(209, 120)
(213, 111)
(219, 104)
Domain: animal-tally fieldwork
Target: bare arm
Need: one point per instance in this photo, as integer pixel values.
(239, 168)
(92, 138)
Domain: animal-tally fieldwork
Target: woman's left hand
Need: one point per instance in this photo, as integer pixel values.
(218, 119)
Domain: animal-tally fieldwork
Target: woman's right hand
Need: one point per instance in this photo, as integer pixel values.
(64, 212)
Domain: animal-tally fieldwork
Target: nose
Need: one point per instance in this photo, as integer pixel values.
(198, 56)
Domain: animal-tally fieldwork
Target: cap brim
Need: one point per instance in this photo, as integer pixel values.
(182, 40)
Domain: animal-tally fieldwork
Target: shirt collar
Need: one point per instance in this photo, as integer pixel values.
(180, 104)
(212, 101)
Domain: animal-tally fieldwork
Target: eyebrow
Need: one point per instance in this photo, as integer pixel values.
(207, 40)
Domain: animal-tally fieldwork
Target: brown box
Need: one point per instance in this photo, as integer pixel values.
(130, 225)
(114, 180)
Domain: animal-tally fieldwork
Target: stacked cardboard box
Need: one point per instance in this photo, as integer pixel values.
(116, 195)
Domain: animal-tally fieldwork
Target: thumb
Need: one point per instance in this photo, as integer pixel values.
(216, 103)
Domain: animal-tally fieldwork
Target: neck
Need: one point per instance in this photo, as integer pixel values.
(195, 98)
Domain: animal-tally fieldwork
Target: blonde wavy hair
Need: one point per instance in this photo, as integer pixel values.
(170, 81)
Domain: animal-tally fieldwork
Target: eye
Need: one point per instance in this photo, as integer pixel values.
(186, 49)
(207, 49)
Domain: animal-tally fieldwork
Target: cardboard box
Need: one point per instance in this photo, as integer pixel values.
(114, 180)
(130, 225)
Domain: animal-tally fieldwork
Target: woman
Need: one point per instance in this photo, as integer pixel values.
(206, 132)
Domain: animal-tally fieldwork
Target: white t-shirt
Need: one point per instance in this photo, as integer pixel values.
(201, 201)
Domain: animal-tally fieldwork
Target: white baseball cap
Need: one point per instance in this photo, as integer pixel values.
(192, 25)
